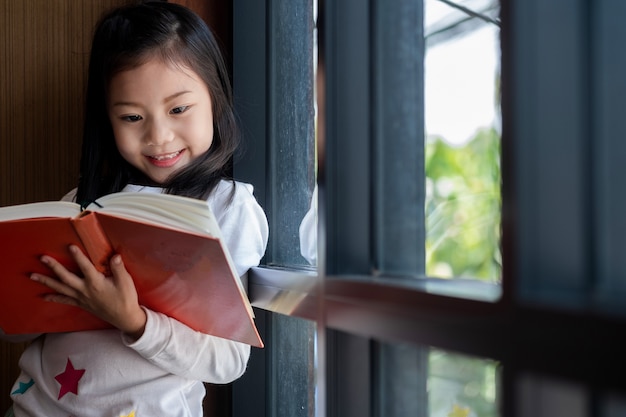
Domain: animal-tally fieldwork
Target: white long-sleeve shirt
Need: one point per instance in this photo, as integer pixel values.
(100, 373)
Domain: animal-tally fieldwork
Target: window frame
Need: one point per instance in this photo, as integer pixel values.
(548, 310)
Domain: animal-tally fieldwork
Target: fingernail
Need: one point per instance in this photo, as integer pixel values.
(45, 260)
(34, 277)
(73, 248)
(117, 259)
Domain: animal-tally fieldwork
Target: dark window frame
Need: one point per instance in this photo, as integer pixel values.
(560, 312)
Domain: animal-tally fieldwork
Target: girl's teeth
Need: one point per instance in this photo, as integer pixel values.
(164, 157)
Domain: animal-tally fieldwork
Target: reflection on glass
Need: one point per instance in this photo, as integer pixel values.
(461, 386)
(308, 226)
(308, 232)
(462, 119)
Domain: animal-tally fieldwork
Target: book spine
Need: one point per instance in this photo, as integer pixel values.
(94, 240)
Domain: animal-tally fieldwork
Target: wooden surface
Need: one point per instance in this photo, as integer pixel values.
(44, 53)
(218, 14)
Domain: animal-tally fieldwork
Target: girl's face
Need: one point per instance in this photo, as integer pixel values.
(161, 117)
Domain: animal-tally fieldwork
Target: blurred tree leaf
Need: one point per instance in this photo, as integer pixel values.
(463, 206)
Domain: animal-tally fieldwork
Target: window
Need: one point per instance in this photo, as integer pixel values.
(462, 125)
(370, 332)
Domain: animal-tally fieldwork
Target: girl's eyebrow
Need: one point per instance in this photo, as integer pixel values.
(165, 100)
(173, 96)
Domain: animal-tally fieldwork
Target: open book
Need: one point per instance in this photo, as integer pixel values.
(170, 245)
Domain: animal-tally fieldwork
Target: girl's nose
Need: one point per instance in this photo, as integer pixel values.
(158, 133)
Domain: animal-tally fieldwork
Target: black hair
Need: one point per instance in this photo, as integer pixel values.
(125, 38)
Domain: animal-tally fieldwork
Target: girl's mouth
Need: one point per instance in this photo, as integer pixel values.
(165, 160)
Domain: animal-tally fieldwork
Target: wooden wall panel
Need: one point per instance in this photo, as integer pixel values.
(218, 14)
(44, 50)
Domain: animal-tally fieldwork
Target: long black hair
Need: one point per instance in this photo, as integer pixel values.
(125, 38)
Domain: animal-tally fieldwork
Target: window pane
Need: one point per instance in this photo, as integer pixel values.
(460, 385)
(419, 381)
(462, 124)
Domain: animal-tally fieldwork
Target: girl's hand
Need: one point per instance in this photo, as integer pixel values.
(113, 299)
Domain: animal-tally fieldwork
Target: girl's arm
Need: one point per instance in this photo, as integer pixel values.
(180, 350)
(244, 228)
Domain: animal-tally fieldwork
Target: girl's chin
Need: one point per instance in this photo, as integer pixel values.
(159, 180)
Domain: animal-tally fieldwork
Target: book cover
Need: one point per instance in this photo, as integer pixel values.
(184, 274)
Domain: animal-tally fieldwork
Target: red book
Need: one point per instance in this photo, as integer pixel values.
(170, 245)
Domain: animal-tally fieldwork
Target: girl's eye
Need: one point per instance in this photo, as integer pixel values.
(179, 109)
(132, 118)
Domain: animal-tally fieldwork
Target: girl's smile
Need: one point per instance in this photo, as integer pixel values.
(161, 116)
(166, 160)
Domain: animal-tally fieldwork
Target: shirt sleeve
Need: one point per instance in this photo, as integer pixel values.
(70, 196)
(182, 351)
(244, 229)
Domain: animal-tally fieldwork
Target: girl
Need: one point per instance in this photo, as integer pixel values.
(159, 118)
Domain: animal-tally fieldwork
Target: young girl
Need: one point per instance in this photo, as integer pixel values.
(159, 118)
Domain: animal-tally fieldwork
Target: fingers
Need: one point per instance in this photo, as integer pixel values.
(62, 290)
(64, 294)
(67, 284)
(117, 266)
(62, 299)
(84, 263)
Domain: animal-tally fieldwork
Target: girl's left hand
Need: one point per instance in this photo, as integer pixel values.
(112, 299)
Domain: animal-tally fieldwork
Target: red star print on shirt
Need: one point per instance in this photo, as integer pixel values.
(69, 379)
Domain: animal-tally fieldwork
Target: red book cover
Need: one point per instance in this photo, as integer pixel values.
(22, 309)
(182, 274)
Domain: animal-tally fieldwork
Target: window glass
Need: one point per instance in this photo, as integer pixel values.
(462, 127)
(414, 380)
(460, 385)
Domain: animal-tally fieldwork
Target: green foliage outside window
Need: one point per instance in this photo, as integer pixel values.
(462, 386)
(463, 206)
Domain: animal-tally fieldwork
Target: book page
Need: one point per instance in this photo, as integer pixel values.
(39, 210)
(162, 209)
